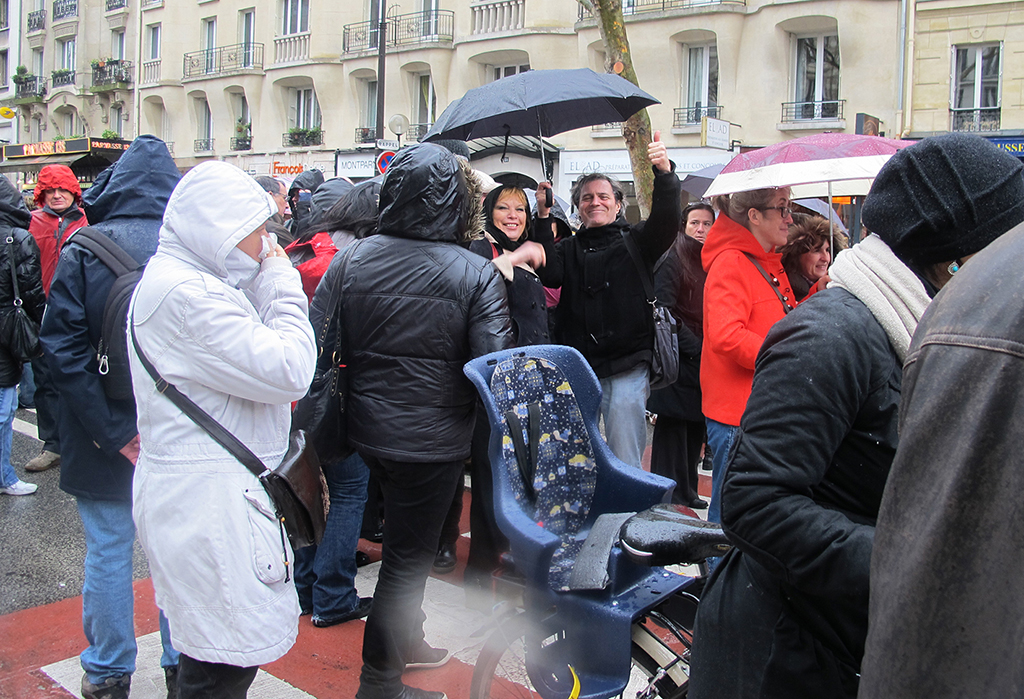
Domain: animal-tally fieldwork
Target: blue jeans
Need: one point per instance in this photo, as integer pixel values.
(8, 406)
(624, 411)
(27, 387)
(108, 601)
(325, 575)
(720, 438)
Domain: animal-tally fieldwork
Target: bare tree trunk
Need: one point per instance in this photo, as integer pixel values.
(636, 131)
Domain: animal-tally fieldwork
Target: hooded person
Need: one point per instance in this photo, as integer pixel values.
(300, 200)
(415, 306)
(313, 250)
(220, 313)
(58, 198)
(99, 435)
(786, 612)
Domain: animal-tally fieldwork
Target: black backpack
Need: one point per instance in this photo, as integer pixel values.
(112, 353)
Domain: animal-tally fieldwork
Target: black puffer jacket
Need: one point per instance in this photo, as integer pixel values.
(14, 222)
(416, 306)
(603, 311)
(785, 614)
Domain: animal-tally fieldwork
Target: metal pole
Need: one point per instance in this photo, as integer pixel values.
(382, 27)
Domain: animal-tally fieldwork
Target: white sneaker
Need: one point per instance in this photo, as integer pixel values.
(19, 488)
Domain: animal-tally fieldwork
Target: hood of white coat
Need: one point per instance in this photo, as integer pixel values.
(212, 208)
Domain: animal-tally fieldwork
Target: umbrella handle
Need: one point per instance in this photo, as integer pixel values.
(548, 199)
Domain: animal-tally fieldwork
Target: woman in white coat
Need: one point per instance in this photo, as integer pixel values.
(231, 332)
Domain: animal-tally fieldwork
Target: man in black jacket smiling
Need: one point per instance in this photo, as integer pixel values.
(415, 307)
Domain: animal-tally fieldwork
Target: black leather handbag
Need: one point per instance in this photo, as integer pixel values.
(296, 487)
(18, 332)
(665, 356)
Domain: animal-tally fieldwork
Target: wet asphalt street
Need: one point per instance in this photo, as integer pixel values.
(43, 545)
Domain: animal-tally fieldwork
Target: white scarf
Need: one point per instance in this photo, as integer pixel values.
(894, 295)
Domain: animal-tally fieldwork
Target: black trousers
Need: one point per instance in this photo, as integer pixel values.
(416, 499)
(486, 542)
(198, 679)
(675, 452)
(47, 405)
(450, 531)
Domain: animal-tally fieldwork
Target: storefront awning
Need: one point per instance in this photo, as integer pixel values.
(37, 163)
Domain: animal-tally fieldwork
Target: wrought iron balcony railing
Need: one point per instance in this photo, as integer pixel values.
(60, 78)
(984, 119)
(612, 128)
(112, 74)
(241, 143)
(689, 116)
(63, 9)
(223, 60)
(298, 138)
(632, 7)
(29, 86)
(417, 131)
(203, 145)
(36, 20)
(366, 134)
(116, 4)
(430, 26)
(802, 111)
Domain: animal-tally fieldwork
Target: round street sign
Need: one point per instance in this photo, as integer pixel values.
(384, 159)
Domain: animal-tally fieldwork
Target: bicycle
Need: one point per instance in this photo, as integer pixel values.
(596, 602)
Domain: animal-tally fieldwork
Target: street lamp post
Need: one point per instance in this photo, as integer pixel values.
(381, 53)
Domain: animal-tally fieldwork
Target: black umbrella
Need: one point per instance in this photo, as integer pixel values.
(540, 103)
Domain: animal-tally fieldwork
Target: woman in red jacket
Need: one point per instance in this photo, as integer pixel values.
(746, 292)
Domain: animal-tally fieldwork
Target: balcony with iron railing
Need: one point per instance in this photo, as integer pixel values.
(417, 28)
(116, 5)
(109, 75)
(641, 7)
(301, 138)
(64, 9)
(36, 20)
(62, 77)
(811, 111)
(241, 143)
(29, 88)
(983, 119)
(612, 128)
(501, 16)
(223, 60)
(691, 116)
(417, 131)
(203, 145)
(366, 134)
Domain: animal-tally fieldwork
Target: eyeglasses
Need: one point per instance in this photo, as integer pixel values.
(784, 210)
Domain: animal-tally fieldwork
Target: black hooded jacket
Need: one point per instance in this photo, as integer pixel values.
(14, 221)
(415, 307)
(127, 203)
(603, 311)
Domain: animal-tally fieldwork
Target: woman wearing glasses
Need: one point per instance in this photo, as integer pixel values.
(746, 292)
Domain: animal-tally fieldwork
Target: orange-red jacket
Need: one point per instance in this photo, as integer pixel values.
(740, 307)
(50, 231)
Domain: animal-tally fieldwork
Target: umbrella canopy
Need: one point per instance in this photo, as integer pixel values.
(821, 158)
(540, 103)
(696, 183)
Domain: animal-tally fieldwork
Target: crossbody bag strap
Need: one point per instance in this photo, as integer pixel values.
(198, 415)
(645, 275)
(14, 273)
(772, 282)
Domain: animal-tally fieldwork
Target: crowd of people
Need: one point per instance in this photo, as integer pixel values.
(790, 374)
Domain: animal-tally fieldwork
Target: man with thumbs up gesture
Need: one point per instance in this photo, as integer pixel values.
(603, 311)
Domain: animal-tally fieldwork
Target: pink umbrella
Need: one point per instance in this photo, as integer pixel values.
(821, 158)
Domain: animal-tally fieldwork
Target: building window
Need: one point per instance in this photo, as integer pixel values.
(4, 13)
(817, 77)
(4, 74)
(116, 119)
(66, 54)
(117, 44)
(426, 104)
(247, 34)
(976, 98)
(370, 107)
(296, 16)
(499, 72)
(153, 40)
(701, 87)
(305, 112)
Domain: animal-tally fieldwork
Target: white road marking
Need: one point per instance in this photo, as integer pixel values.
(26, 428)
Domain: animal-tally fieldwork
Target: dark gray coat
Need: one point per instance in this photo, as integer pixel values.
(14, 222)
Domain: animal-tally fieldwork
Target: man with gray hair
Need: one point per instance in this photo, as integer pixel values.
(276, 188)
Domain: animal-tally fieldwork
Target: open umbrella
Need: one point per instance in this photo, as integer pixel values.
(696, 183)
(821, 158)
(539, 103)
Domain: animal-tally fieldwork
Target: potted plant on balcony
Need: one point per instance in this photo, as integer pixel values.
(243, 134)
(21, 75)
(298, 136)
(60, 73)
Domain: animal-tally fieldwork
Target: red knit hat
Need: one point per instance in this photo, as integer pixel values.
(56, 177)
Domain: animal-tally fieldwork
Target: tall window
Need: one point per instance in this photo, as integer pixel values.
(153, 41)
(247, 32)
(305, 108)
(701, 88)
(817, 77)
(499, 72)
(37, 61)
(204, 131)
(4, 68)
(117, 44)
(370, 108)
(117, 119)
(976, 98)
(66, 51)
(296, 16)
(426, 101)
(4, 11)
(210, 43)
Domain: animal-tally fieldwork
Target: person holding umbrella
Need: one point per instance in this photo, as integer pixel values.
(603, 311)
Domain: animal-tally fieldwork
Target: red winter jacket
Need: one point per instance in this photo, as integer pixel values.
(50, 231)
(740, 307)
(312, 258)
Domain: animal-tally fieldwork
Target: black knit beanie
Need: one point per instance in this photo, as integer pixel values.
(945, 197)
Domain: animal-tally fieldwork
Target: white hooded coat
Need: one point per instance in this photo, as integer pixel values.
(216, 553)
